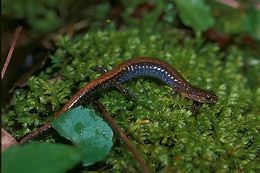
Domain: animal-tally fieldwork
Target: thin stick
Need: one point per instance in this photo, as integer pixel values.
(230, 3)
(111, 122)
(35, 133)
(11, 50)
(124, 138)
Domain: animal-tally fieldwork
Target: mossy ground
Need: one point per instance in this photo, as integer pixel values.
(222, 138)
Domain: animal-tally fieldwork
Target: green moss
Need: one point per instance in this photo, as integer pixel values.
(39, 15)
(222, 138)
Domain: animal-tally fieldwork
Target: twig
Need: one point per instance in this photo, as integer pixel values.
(11, 50)
(236, 5)
(35, 133)
(230, 3)
(111, 122)
(124, 138)
(45, 127)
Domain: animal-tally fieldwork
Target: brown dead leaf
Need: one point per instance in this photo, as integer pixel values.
(7, 140)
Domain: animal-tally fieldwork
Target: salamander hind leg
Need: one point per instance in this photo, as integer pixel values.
(174, 93)
(125, 91)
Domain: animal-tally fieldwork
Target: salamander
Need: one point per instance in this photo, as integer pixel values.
(128, 70)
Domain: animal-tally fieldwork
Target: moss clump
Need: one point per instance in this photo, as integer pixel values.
(40, 16)
(222, 138)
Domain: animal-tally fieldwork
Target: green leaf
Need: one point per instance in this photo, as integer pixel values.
(195, 13)
(40, 158)
(87, 131)
(253, 23)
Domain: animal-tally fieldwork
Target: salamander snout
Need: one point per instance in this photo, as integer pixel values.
(204, 96)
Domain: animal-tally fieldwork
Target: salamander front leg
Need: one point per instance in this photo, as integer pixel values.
(101, 70)
(195, 108)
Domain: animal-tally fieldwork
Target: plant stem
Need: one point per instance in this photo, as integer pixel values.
(121, 134)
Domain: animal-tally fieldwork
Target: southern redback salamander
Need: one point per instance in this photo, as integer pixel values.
(141, 66)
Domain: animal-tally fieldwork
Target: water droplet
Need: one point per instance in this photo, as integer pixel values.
(79, 127)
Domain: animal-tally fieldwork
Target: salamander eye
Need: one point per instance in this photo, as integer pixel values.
(208, 97)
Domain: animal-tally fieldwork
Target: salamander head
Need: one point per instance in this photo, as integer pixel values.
(206, 97)
(199, 95)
